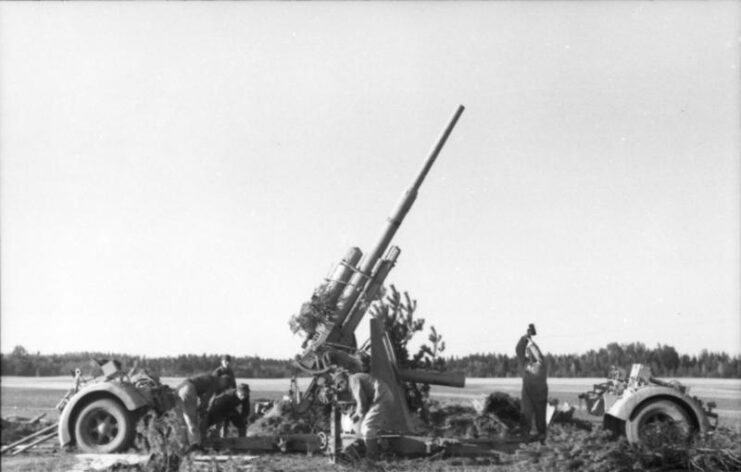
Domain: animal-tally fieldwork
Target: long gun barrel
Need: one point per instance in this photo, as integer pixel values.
(396, 218)
(364, 277)
(354, 284)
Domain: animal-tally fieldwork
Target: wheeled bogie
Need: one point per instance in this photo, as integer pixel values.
(632, 406)
(101, 417)
(115, 409)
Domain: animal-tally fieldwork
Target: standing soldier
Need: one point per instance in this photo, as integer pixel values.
(225, 368)
(194, 395)
(373, 405)
(534, 384)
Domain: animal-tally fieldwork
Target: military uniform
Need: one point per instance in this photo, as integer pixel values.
(374, 405)
(194, 392)
(534, 386)
(229, 408)
(226, 371)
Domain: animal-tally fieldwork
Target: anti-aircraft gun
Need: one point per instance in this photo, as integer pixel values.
(339, 305)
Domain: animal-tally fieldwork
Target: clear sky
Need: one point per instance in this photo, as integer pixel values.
(179, 177)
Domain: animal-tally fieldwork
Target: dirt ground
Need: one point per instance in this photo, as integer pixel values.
(569, 447)
(272, 463)
(38, 462)
(64, 462)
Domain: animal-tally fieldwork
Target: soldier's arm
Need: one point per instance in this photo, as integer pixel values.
(521, 348)
(246, 410)
(205, 401)
(536, 352)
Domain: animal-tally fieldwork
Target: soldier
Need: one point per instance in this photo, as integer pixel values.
(374, 403)
(534, 384)
(225, 368)
(194, 395)
(232, 406)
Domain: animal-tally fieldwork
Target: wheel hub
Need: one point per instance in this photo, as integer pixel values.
(104, 429)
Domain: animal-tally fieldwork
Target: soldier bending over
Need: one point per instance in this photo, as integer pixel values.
(194, 395)
(374, 405)
(232, 406)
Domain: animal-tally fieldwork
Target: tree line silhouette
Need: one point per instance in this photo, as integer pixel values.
(21, 362)
(664, 361)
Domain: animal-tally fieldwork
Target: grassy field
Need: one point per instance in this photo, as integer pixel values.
(569, 447)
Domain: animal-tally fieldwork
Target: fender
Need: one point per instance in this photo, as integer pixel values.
(126, 393)
(625, 406)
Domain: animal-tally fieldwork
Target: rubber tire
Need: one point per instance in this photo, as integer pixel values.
(96, 416)
(661, 410)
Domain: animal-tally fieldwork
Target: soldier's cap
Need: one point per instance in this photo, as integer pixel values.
(243, 388)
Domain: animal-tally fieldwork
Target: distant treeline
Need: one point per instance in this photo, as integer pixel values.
(21, 362)
(663, 360)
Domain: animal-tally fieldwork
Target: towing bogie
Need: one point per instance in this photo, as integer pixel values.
(101, 417)
(125, 396)
(643, 407)
(658, 419)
